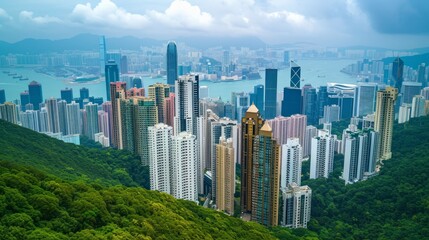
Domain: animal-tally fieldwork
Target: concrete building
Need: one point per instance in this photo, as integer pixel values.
(9, 112)
(364, 99)
(404, 113)
(322, 155)
(296, 206)
(291, 163)
(225, 175)
(159, 92)
(266, 178)
(160, 152)
(91, 111)
(360, 155)
(383, 122)
(73, 118)
(250, 125)
(184, 167)
(117, 93)
(53, 115)
(418, 106)
(289, 127)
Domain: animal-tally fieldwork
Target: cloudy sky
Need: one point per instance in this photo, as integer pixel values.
(385, 23)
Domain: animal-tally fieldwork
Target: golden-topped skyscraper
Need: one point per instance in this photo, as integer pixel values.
(383, 123)
(265, 178)
(250, 125)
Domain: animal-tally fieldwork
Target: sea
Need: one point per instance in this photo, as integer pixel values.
(314, 72)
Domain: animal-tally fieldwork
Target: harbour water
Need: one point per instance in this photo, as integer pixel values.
(314, 72)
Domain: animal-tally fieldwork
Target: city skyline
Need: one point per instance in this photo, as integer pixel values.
(337, 23)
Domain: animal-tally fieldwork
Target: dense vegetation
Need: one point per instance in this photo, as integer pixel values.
(392, 205)
(68, 161)
(36, 206)
(53, 190)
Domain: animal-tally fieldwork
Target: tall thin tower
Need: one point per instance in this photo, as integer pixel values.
(266, 178)
(295, 75)
(171, 63)
(250, 125)
(384, 117)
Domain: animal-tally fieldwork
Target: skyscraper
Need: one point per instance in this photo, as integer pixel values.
(9, 112)
(169, 109)
(62, 113)
(383, 123)
(184, 167)
(331, 114)
(295, 75)
(36, 96)
(409, 90)
(145, 115)
(250, 125)
(296, 206)
(53, 115)
(364, 99)
(43, 120)
(159, 92)
(418, 106)
(102, 54)
(257, 97)
(397, 73)
(160, 151)
(107, 107)
(2, 96)
(111, 75)
(187, 104)
(223, 127)
(73, 118)
(172, 75)
(322, 99)
(25, 99)
(421, 74)
(310, 105)
(291, 163)
(91, 111)
(289, 127)
(30, 119)
(67, 95)
(128, 124)
(117, 93)
(84, 93)
(266, 178)
(292, 101)
(360, 155)
(322, 155)
(137, 82)
(404, 114)
(225, 175)
(270, 93)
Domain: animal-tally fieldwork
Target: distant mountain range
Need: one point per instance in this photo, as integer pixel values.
(89, 42)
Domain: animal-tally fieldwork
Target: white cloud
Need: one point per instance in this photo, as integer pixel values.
(182, 14)
(108, 14)
(28, 16)
(4, 15)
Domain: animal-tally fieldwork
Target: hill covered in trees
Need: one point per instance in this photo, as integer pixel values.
(68, 161)
(392, 205)
(53, 190)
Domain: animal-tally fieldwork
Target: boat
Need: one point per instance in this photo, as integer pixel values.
(23, 79)
(6, 72)
(12, 74)
(16, 76)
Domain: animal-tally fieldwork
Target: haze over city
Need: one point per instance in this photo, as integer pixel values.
(397, 24)
(223, 119)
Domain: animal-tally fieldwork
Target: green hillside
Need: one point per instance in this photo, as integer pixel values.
(69, 161)
(36, 206)
(53, 190)
(392, 205)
